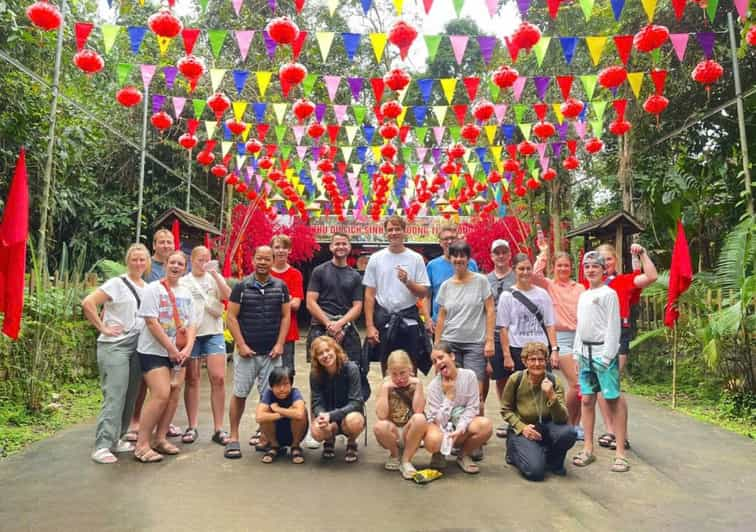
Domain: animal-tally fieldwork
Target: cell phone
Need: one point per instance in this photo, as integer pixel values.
(211, 266)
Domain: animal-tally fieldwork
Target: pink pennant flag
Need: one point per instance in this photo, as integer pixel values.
(421, 152)
(237, 5)
(178, 105)
(147, 72)
(438, 132)
(459, 44)
(259, 180)
(428, 169)
(250, 173)
(243, 39)
(493, 7)
(267, 188)
(742, 7)
(541, 148)
(313, 167)
(339, 112)
(544, 163)
(301, 150)
(518, 86)
(500, 109)
(679, 43)
(332, 85)
(298, 132)
(580, 127)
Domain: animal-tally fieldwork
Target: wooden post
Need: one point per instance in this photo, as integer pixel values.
(674, 365)
(619, 244)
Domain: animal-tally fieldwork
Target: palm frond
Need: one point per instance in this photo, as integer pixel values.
(737, 255)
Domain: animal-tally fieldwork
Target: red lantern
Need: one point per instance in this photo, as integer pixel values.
(402, 35)
(219, 171)
(187, 141)
(192, 68)
(218, 102)
(620, 127)
(276, 176)
(315, 130)
(751, 36)
(544, 130)
(448, 168)
(549, 174)
(571, 163)
(44, 15)
(241, 188)
(594, 145)
(511, 165)
(88, 61)
(292, 73)
(325, 165)
(236, 128)
(504, 76)
(520, 191)
(282, 30)
(571, 108)
(456, 151)
(388, 131)
(388, 151)
(129, 96)
(526, 36)
(302, 108)
(533, 184)
(253, 146)
(526, 148)
(483, 110)
(470, 132)
(230, 180)
(650, 37)
(265, 163)
(391, 109)
(165, 24)
(655, 104)
(387, 168)
(494, 177)
(612, 77)
(707, 73)
(205, 158)
(396, 79)
(161, 120)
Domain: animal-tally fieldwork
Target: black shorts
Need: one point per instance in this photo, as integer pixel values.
(626, 336)
(497, 362)
(150, 362)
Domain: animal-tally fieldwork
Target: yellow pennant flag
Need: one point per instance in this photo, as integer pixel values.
(376, 153)
(239, 108)
(226, 146)
(466, 156)
(399, 5)
(557, 107)
(440, 112)
(163, 44)
(472, 165)
(490, 133)
(300, 189)
(378, 40)
(525, 128)
(332, 5)
(649, 6)
(263, 80)
(454, 180)
(245, 133)
(635, 79)
(346, 152)
(216, 77)
(325, 40)
(109, 34)
(595, 48)
(351, 131)
(210, 128)
(279, 109)
(400, 118)
(496, 153)
(448, 85)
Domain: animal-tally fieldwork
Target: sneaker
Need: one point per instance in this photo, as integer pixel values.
(408, 470)
(310, 442)
(579, 433)
(124, 447)
(104, 456)
(392, 464)
(438, 461)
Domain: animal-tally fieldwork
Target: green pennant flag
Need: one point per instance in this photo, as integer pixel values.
(199, 106)
(540, 49)
(420, 133)
(454, 132)
(458, 6)
(203, 5)
(122, 72)
(432, 42)
(365, 183)
(406, 153)
(280, 133)
(589, 85)
(413, 169)
(597, 126)
(519, 111)
(531, 163)
(587, 7)
(711, 9)
(598, 109)
(655, 56)
(525, 128)
(493, 90)
(109, 34)
(309, 83)
(359, 112)
(298, 165)
(285, 149)
(216, 38)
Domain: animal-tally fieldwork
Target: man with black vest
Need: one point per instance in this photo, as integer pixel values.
(258, 318)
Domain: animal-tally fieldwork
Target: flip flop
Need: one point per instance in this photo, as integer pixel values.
(190, 435)
(606, 439)
(583, 459)
(233, 450)
(168, 448)
(254, 440)
(148, 457)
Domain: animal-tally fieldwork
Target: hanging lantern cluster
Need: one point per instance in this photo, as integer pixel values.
(44, 15)
(526, 36)
(402, 35)
(219, 104)
(282, 30)
(505, 76)
(165, 24)
(396, 79)
(650, 37)
(192, 68)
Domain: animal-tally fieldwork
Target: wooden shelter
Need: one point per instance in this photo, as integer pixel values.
(192, 227)
(615, 228)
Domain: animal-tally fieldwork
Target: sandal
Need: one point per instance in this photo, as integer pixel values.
(328, 451)
(467, 465)
(606, 439)
(165, 447)
(131, 436)
(254, 440)
(233, 450)
(104, 456)
(220, 437)
(173, 431)
(296, 454)
(620, 465)
(148, 457)
(351, 455)
(190, 435)
(613, 445)
(583, 459)
(270, 455)
(501, 431)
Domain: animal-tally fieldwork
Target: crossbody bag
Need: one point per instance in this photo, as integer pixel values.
(528, 304)
(181, 337)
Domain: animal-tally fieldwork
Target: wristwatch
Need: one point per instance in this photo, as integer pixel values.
(555, 348)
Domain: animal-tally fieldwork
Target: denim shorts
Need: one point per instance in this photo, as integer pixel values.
(566, 342)
(602, 379)
(209, 344)
(469, 355)
(150, 362)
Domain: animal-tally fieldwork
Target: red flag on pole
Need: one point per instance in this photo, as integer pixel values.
(14, 231)
(175, 229)
(680, 276)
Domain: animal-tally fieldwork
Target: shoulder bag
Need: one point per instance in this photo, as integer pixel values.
(181, 338)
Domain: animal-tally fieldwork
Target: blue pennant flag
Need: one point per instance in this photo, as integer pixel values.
(617, 6)
(481, 151)
(584, 112)
(486, 166)
(420, 111)
(240, 148)
(226, 132)
(508, 131)
(259, 110)
(351, 43)
(568, 47)
(136, 36)
(371, 169)
(366, 5)
(425, 86)
(361, 151)
(368, 132)
(240, 79)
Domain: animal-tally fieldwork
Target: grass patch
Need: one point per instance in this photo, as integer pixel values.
(72, 404)
(698, 406)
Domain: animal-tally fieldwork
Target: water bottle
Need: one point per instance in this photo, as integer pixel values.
(447, 443)
(175, 371)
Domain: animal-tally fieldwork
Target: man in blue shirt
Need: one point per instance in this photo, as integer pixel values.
(439, 270)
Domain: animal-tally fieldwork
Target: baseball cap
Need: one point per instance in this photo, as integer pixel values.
(594, 257)
(499, 243)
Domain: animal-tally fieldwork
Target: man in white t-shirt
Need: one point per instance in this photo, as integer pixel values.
(395, 278)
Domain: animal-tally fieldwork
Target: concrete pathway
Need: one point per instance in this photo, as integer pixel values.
(685, 475)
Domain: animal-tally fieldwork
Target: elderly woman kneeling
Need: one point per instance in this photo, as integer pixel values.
(533, 405)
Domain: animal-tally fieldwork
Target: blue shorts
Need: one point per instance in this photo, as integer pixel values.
(566, 342)
(209, 344)
(601, 379)
(150, 362)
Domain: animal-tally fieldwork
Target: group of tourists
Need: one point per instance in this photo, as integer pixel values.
(158, 324)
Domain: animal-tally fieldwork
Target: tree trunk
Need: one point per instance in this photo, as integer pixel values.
(624, 173)
(555, 210)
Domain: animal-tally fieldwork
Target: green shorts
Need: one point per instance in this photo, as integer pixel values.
(602, 379)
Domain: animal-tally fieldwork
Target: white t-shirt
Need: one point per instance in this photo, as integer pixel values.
(122, 308)
(156, 304)
(598, 320)
(206, 323)
(522, 325)
(465, 306)
(390, 292)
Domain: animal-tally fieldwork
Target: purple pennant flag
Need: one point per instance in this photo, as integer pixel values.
(523, 6)
(157, 102)
(170, 76)
(541, 85)
(562, 129)
(315, 153)
(270, 45)
(706, 40)
(556, 149)
(320, 110)
(272, 5)
(486, 44)
(436, 152)
(355, 85)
